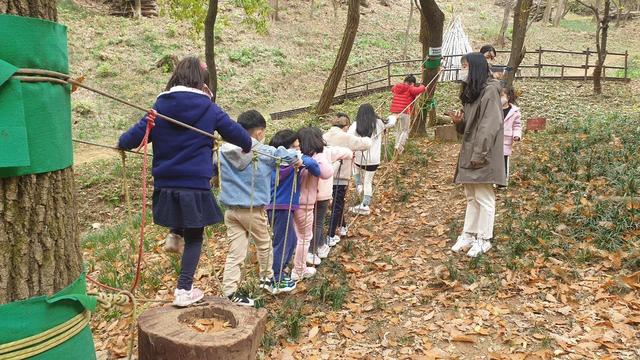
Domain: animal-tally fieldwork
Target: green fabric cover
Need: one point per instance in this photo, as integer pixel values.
(432, 63)
(35, 118)
(22, 319)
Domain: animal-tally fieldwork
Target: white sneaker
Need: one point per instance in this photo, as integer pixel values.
(173, 243)
(323, 251)
(465, 241)
(185, 298)
(480, 246)
(360, 209)
(313, 259)
(342, 231)
(332, 241)
(309, 272)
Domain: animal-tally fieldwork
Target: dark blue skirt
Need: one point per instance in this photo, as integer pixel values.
(185, 208)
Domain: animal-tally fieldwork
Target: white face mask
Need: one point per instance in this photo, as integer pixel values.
(463, 75)
(504, 100)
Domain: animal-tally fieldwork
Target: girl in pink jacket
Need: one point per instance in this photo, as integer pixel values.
(512, 123)
(311, 144)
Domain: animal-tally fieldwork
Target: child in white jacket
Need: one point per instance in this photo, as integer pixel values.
(368, 124)
(512, 123)
(337, 136)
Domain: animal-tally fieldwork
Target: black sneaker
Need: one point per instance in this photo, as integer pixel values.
(265, 283)
(240, 299)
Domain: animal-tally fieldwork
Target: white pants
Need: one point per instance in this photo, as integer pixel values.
(481, 210)
(365, 179)
(402, 130)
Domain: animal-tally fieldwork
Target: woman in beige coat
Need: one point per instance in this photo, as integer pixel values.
(481, 161)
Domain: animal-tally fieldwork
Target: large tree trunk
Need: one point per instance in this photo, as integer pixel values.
(505, 22)
(349, 36)
(559, 12)
(602, 35)
(548, 10)
(521, 14)
(406, 32)
(431, 30)
(209, 46)
(40, 251)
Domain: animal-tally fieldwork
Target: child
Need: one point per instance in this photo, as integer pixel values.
(367, 124)
(183, 166)
(280, 213)
(401, 106)
(245, 191)
(337, 136)
(311, 144)
(319, 242)
(512, 123)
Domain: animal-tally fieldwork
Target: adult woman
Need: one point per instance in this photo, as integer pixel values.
(481, 162)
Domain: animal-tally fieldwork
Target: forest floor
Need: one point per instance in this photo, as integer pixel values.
(561, 282)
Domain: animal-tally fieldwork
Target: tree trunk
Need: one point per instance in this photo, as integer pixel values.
(40, 251)
(548, 10)
(275, 4)
(335, 4)
(350, 31)
(209, 46)
(559, 13)
(521, 14)
(406, 32)
(602, 34)
(138, 9)
(431, 31)
(597, 5)
(505, 22)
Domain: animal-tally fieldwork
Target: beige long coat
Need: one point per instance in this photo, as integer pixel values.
(481, 159)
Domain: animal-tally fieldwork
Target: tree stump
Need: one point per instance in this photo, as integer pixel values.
(447, 133)
(164, 333)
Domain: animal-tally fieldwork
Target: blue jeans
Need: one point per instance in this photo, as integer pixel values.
(283, 231)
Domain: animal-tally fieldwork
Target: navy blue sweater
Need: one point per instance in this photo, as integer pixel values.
(182, 158)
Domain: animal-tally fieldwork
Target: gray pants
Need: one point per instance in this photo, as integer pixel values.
(320, 213)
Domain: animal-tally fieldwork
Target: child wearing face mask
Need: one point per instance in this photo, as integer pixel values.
(512, 122)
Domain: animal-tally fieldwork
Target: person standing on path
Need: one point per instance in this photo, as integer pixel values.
(481, 159)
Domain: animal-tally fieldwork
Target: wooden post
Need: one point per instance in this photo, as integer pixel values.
(346, 86)
(562, 73)
(539, 62)
(389, 72)
(586, 65)
(626, 62)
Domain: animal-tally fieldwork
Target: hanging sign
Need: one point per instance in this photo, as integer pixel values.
(435, 52)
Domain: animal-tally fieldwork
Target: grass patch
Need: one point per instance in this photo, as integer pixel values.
(578, 25)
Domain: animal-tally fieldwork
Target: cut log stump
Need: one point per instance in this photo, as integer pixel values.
(165, 333)
(446, 133)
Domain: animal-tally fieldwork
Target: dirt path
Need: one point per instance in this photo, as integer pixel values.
(412, 298)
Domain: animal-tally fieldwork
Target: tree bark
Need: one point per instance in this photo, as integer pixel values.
(559, 13)
(138, 12)
(602, 34)
(505, 22)
(548, 10)
(349, 36)
(40, 251)
(521, 14)
(431, 31)
(209, 47)
(406, 32)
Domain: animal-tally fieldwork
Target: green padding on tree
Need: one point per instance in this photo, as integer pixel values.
(46, 107)
(22, 319)
(432, 63)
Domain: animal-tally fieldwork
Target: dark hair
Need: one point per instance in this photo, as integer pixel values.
(284, 138)
(477, 79)
(410, 79)
(488, 48)
(509, 91)
(366, 120)
(341, 114)
(251, 120)
(189, 72)
(311, 141)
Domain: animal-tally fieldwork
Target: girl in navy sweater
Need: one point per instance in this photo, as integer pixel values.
(183, 165)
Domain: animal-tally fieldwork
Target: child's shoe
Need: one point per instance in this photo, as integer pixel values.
(313, 259)
(332, 240)
(284, 285)
(464, 242)
(185, 298)
(323, 251)
(241, 299)
(309, 272)
(480, 246)
(173, 243)
(361, 209)
(265, 283)
(342, 231)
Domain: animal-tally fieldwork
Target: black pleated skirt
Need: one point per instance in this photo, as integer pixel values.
(185, 208)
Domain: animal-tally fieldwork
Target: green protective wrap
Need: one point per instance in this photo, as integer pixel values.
(35, 118)
(432, 63)
(22, 319)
